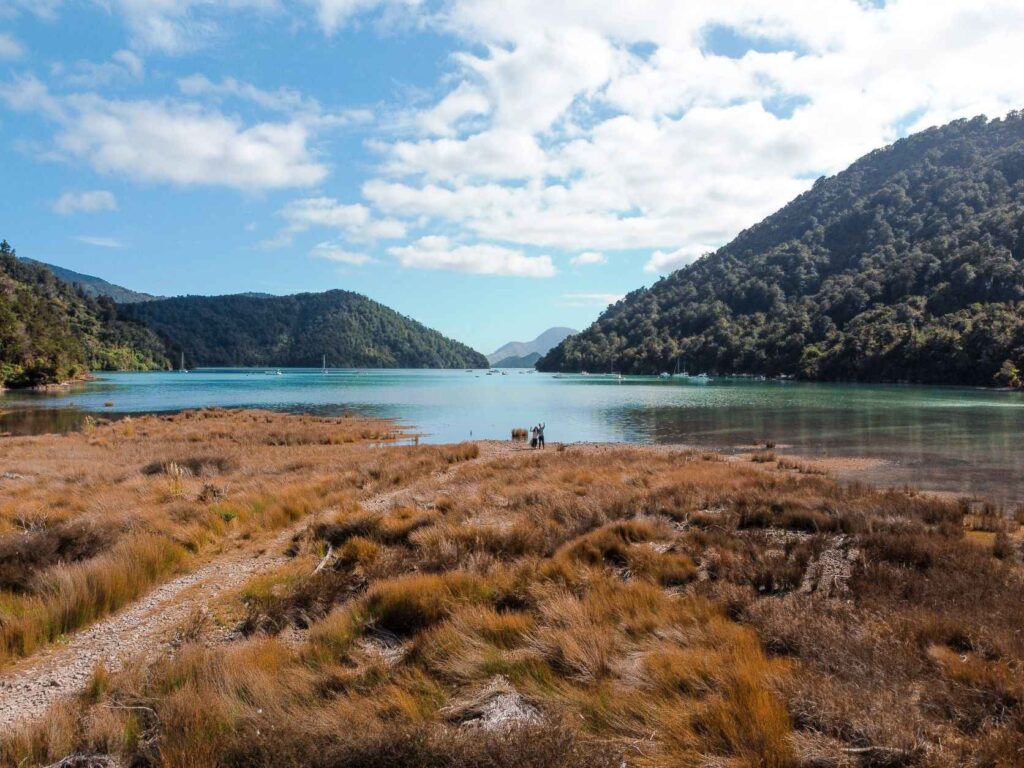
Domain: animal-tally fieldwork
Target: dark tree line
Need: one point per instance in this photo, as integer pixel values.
(350, 329)
(51, 332)
(908, 266)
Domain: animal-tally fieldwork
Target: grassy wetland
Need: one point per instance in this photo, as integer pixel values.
(487, 605)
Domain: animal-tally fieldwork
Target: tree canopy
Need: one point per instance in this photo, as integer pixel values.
(51, 332)
(907, 266)
(298, 330)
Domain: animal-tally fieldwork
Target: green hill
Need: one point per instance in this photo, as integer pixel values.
(907, 266)
(51, 332)
(94, 286)
(351, 330)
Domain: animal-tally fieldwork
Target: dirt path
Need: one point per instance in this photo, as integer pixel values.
(28, 688)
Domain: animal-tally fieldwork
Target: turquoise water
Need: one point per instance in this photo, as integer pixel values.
(955, 439)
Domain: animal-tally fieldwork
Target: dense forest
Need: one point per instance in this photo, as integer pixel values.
(51, 332)
(245, 330)
(907, 266)
(93, 286)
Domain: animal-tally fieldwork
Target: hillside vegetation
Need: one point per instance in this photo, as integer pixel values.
(94, 286)
(351, 330)
(50, 332)
(905, 267)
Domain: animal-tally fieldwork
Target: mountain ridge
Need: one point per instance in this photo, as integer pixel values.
(541, 345)
(297, 330)
(526, 361)
(906, 266)
(94, 286)
(51, 332)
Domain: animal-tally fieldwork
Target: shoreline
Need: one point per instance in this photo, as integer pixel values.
(876, 471)
(458, 576)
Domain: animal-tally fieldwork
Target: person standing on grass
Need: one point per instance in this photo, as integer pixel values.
(540, 434)
(533, 437)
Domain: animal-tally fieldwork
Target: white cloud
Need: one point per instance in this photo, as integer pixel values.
(177, 26)
(10, 48)
(43, 9)
(281, 100)
(332, 252)
(620, 127)
(288, 101)
(588, 257)
(123, 66)
(465, 101)
(100, 242)
(669, 261)
(499, 154)
(581, 300)
(85, 202)
(436, 252)
(156, 141)
(355, 221)
(336, 14)
(176, 142)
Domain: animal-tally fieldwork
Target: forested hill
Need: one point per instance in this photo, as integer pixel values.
(907, 266)
(50, 332)
(351, 330)
(94, 286)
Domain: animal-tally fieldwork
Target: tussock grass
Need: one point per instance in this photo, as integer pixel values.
(653, 608)
(110, 512)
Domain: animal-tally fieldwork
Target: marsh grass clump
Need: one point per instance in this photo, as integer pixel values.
(644, 607)
(120, 507)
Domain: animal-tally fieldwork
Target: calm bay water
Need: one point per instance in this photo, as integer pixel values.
(954, 439)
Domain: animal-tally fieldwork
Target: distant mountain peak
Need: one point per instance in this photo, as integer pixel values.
(541, 345)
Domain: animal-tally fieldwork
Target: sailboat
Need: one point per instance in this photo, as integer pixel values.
(323, 367)
(182, 368)
(611, 371)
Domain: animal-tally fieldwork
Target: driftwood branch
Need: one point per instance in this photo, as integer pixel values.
(327, 559)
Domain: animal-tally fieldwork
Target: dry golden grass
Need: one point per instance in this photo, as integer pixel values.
(99, 517)
(653, 607)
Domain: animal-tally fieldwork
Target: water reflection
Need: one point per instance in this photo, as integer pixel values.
(968, 451)
(960, 440)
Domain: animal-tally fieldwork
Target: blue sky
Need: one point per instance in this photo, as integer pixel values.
(489, 168)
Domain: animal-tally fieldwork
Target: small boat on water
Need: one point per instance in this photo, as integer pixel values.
(664, 375)
(274, 373)
(182, 368)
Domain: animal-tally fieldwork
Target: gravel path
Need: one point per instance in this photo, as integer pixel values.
(28, 688)
(31, 686)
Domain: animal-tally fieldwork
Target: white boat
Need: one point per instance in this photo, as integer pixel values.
(182, 368)
(274, 373)
(323, 368)
(664, 375)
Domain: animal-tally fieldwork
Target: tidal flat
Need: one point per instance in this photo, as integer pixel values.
(225, 588)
